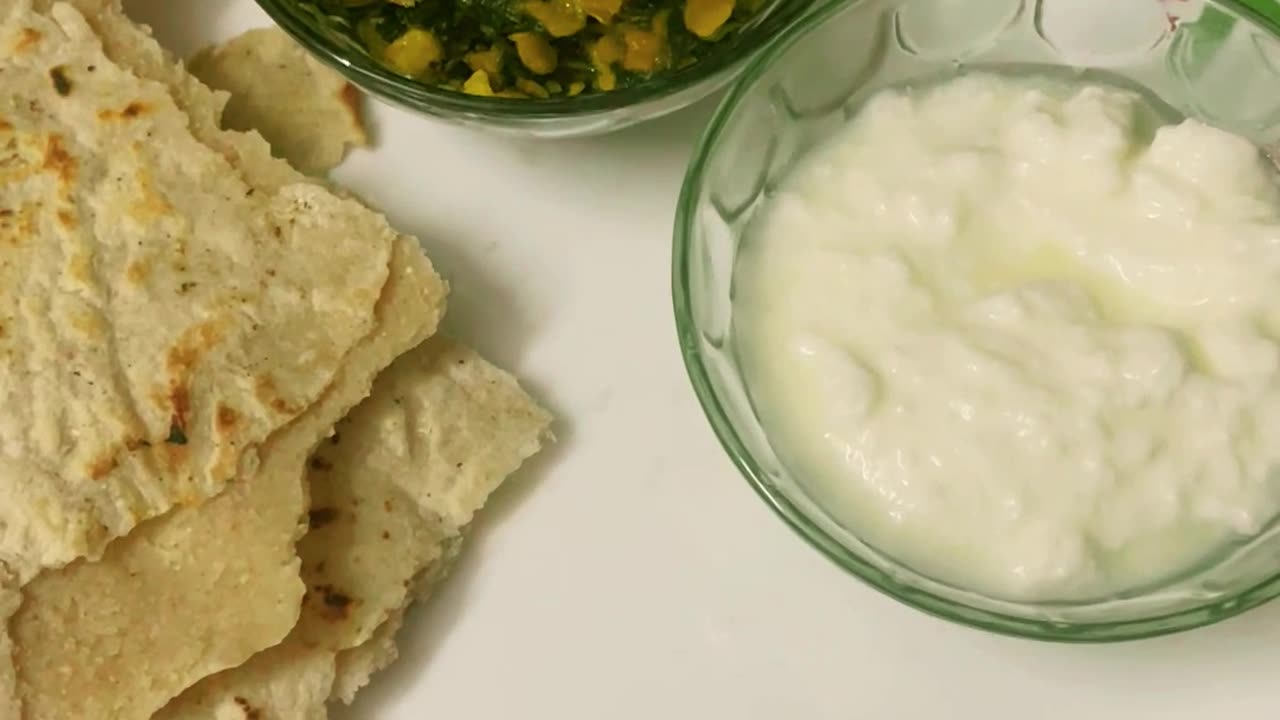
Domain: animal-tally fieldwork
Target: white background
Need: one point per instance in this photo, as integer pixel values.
(630, 572)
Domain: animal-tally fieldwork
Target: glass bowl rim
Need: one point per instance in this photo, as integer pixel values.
(1266, 18)
(379, 80)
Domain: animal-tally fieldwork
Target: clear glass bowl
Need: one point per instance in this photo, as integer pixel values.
(1218, 60)
(587, 114)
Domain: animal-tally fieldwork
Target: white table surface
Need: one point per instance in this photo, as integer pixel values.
(629, 572)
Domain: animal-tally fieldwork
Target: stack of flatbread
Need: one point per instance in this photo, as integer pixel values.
(234, 448)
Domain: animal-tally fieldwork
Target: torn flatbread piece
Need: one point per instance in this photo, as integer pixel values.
(180, 598)
(265, 71)
(131, 46)
(160, 317)
(356, 666)
(439, 417)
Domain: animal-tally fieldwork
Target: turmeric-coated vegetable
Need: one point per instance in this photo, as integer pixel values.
(644, 50)
(539, 49)
(561, 18)
(602, 10)
(478, 84)
(532, 89)
(705, 17)
(488, 60)
(535, 52)
(413, 52)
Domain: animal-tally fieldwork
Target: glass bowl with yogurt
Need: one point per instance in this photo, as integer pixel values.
(980, 299)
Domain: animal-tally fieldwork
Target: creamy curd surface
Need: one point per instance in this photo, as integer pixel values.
(1022, 335)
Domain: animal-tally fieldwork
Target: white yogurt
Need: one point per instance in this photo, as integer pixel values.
(1016, 342)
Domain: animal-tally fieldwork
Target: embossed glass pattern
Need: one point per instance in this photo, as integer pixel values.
(1218, 60)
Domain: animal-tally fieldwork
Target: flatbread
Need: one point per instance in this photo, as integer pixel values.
(408, 309)
(355, 667)
(161, 319)
(442, 429)
(131, 46)
(120, 637)
(287, 682)
(265, 71)
(293, 681)
(211, 622)
(438, 410)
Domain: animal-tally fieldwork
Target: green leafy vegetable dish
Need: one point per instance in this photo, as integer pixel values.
(538, 48)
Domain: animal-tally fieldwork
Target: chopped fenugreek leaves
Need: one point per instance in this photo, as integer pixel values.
(538, 48)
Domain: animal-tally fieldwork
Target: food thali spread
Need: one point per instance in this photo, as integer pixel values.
(1004, 346)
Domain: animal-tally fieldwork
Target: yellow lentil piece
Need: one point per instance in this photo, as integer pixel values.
(705, 17)
(535, 52)
(531, 88)
(478, 84)
(602, 10)
(489, 60)
(413, 52)
(560, 18)
(644, 50)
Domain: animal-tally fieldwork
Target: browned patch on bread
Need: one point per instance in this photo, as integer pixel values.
(131, 111)
(58, 161)
(226, 418)
(333, 604)
(108, 461)
(185, 353)
(320, 517)
(102, 465)
(180, 361)
(61, 83)
(137, 272)
(269, 396)
(16, 227)
(28, 38)
(180, 402)
(67, 218)
(349, 96)
(250, 712)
